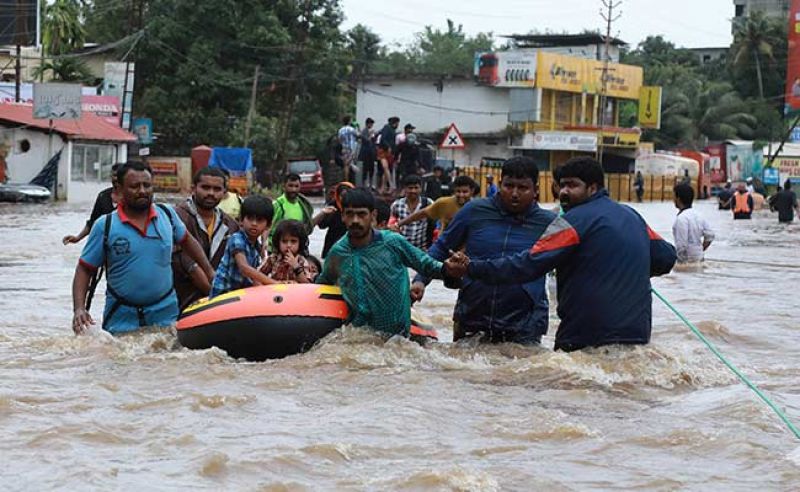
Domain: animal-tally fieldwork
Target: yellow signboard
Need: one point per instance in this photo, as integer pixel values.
(573, 74)
(650, 107)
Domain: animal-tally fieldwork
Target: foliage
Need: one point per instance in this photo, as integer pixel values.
(65, 70)
(62, 30)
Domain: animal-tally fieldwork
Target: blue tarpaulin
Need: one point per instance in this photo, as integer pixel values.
(236, 160)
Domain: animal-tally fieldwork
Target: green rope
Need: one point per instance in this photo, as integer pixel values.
(730, 366)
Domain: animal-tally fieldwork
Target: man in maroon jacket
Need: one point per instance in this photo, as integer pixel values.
(210, 226)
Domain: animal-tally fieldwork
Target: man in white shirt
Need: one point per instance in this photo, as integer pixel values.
(692, 233)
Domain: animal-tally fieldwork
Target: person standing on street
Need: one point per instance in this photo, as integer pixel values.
(348, 138)
(367, 154)
(497, 227)
(135, 244)
(604, 254)
(691, 232)
(105, 203)
(210, 226)
(386, 151)
(785, 203)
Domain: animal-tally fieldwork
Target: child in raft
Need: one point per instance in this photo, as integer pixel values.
(239, 265)
(288, 264)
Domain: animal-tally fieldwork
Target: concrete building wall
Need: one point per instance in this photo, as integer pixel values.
(25, 165)
(778, 8)
(473, 108)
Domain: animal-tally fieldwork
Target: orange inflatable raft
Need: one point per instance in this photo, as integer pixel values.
(270, 321)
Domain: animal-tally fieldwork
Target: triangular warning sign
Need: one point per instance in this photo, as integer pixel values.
(452, 139)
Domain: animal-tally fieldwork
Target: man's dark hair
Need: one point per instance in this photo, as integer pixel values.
(257, 206)
(368, 121)
(411, 180)
(465, 180)
(346, 120)
(586, 169)
(293, 228)
(384, 211)
(557, 173)
(438, 168)
(394, 119)
(359, 198)
(787, 185)
(520, 167)
(214, 172)
(131, 166)
(684, 193)
(291, 177)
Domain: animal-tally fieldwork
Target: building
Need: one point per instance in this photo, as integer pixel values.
(89, 147)
(94, 56)
(773, 8)
(590, 46)
(710, 55)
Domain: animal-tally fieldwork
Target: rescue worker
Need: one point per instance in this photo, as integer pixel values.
(742, 203)
(604, 255)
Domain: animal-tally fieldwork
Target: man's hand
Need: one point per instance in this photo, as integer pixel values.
(417, 292)
(456, 266)
(70, 240)
(81, 321)
(394, 227)
(328, 210)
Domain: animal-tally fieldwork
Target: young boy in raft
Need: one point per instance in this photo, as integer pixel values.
(239, 265)
(370, 266)
(288, 264)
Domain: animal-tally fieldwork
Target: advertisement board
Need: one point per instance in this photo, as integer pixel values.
(573, 74)
(743, 162)
(57, 101)
(506, 68)
(580, 141)
(143, 129)
(106, 107)
(650, 107)
(165, 175)
(19, 22)
(792, 98)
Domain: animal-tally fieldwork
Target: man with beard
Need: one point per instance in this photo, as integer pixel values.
(210, 226)
(445, 208)
(370, 266)
(135, 244)
(498, 227)
(604, 255)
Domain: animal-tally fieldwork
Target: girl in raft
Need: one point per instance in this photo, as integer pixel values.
(288, 264)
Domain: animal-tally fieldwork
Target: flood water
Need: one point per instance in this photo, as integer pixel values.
(140, 413)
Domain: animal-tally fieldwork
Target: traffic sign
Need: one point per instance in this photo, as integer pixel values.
(452, 139)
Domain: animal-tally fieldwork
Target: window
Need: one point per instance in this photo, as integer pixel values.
(92, 162)
(739, 11)
(24, 146)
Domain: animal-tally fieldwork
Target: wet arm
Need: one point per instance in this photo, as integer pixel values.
(662, 255)
(248, 271)
(416, 216)
(417, 259)
(194, 251)
(452, 238)
(520, 268)
(81, 319)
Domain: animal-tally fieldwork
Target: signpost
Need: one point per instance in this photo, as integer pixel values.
(452, 139)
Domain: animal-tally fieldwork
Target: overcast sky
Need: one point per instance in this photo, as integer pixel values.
(688, 23)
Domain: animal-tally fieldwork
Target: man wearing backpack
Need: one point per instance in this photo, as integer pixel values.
(135, 244)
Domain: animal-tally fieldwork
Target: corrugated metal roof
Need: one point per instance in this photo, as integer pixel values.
(88, 127)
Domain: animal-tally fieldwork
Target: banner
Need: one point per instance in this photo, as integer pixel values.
(554, 140)
(53, 101)
(165, 175)
(506, 68)
(650, 107)
(573, 74)
(792, 100)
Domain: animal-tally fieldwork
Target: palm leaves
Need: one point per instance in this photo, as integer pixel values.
(753, 38)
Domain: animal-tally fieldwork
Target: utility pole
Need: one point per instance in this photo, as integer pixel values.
(609, 16)
(21, 26)
(252, 109)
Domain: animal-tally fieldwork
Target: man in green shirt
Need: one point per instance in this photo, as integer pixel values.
(292, 205)
(370, 266)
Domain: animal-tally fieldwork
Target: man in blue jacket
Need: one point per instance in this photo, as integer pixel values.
(496, 227)
(604, 255)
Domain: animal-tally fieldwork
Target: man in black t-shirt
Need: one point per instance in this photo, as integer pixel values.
(105, 203)
(724, 197)
(785, 203)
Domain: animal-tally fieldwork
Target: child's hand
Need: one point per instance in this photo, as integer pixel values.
(291, 259)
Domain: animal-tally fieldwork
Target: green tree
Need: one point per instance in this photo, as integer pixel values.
(754, 41)
(62, 28)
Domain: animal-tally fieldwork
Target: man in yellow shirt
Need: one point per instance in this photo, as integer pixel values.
(446, 207)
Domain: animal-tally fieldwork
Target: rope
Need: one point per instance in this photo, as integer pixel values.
(730, 366)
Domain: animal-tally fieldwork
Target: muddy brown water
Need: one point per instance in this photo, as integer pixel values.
(141, 413)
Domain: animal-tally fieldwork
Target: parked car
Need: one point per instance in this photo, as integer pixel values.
(310, 172)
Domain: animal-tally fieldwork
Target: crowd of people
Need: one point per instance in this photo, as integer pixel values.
(495, 250)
